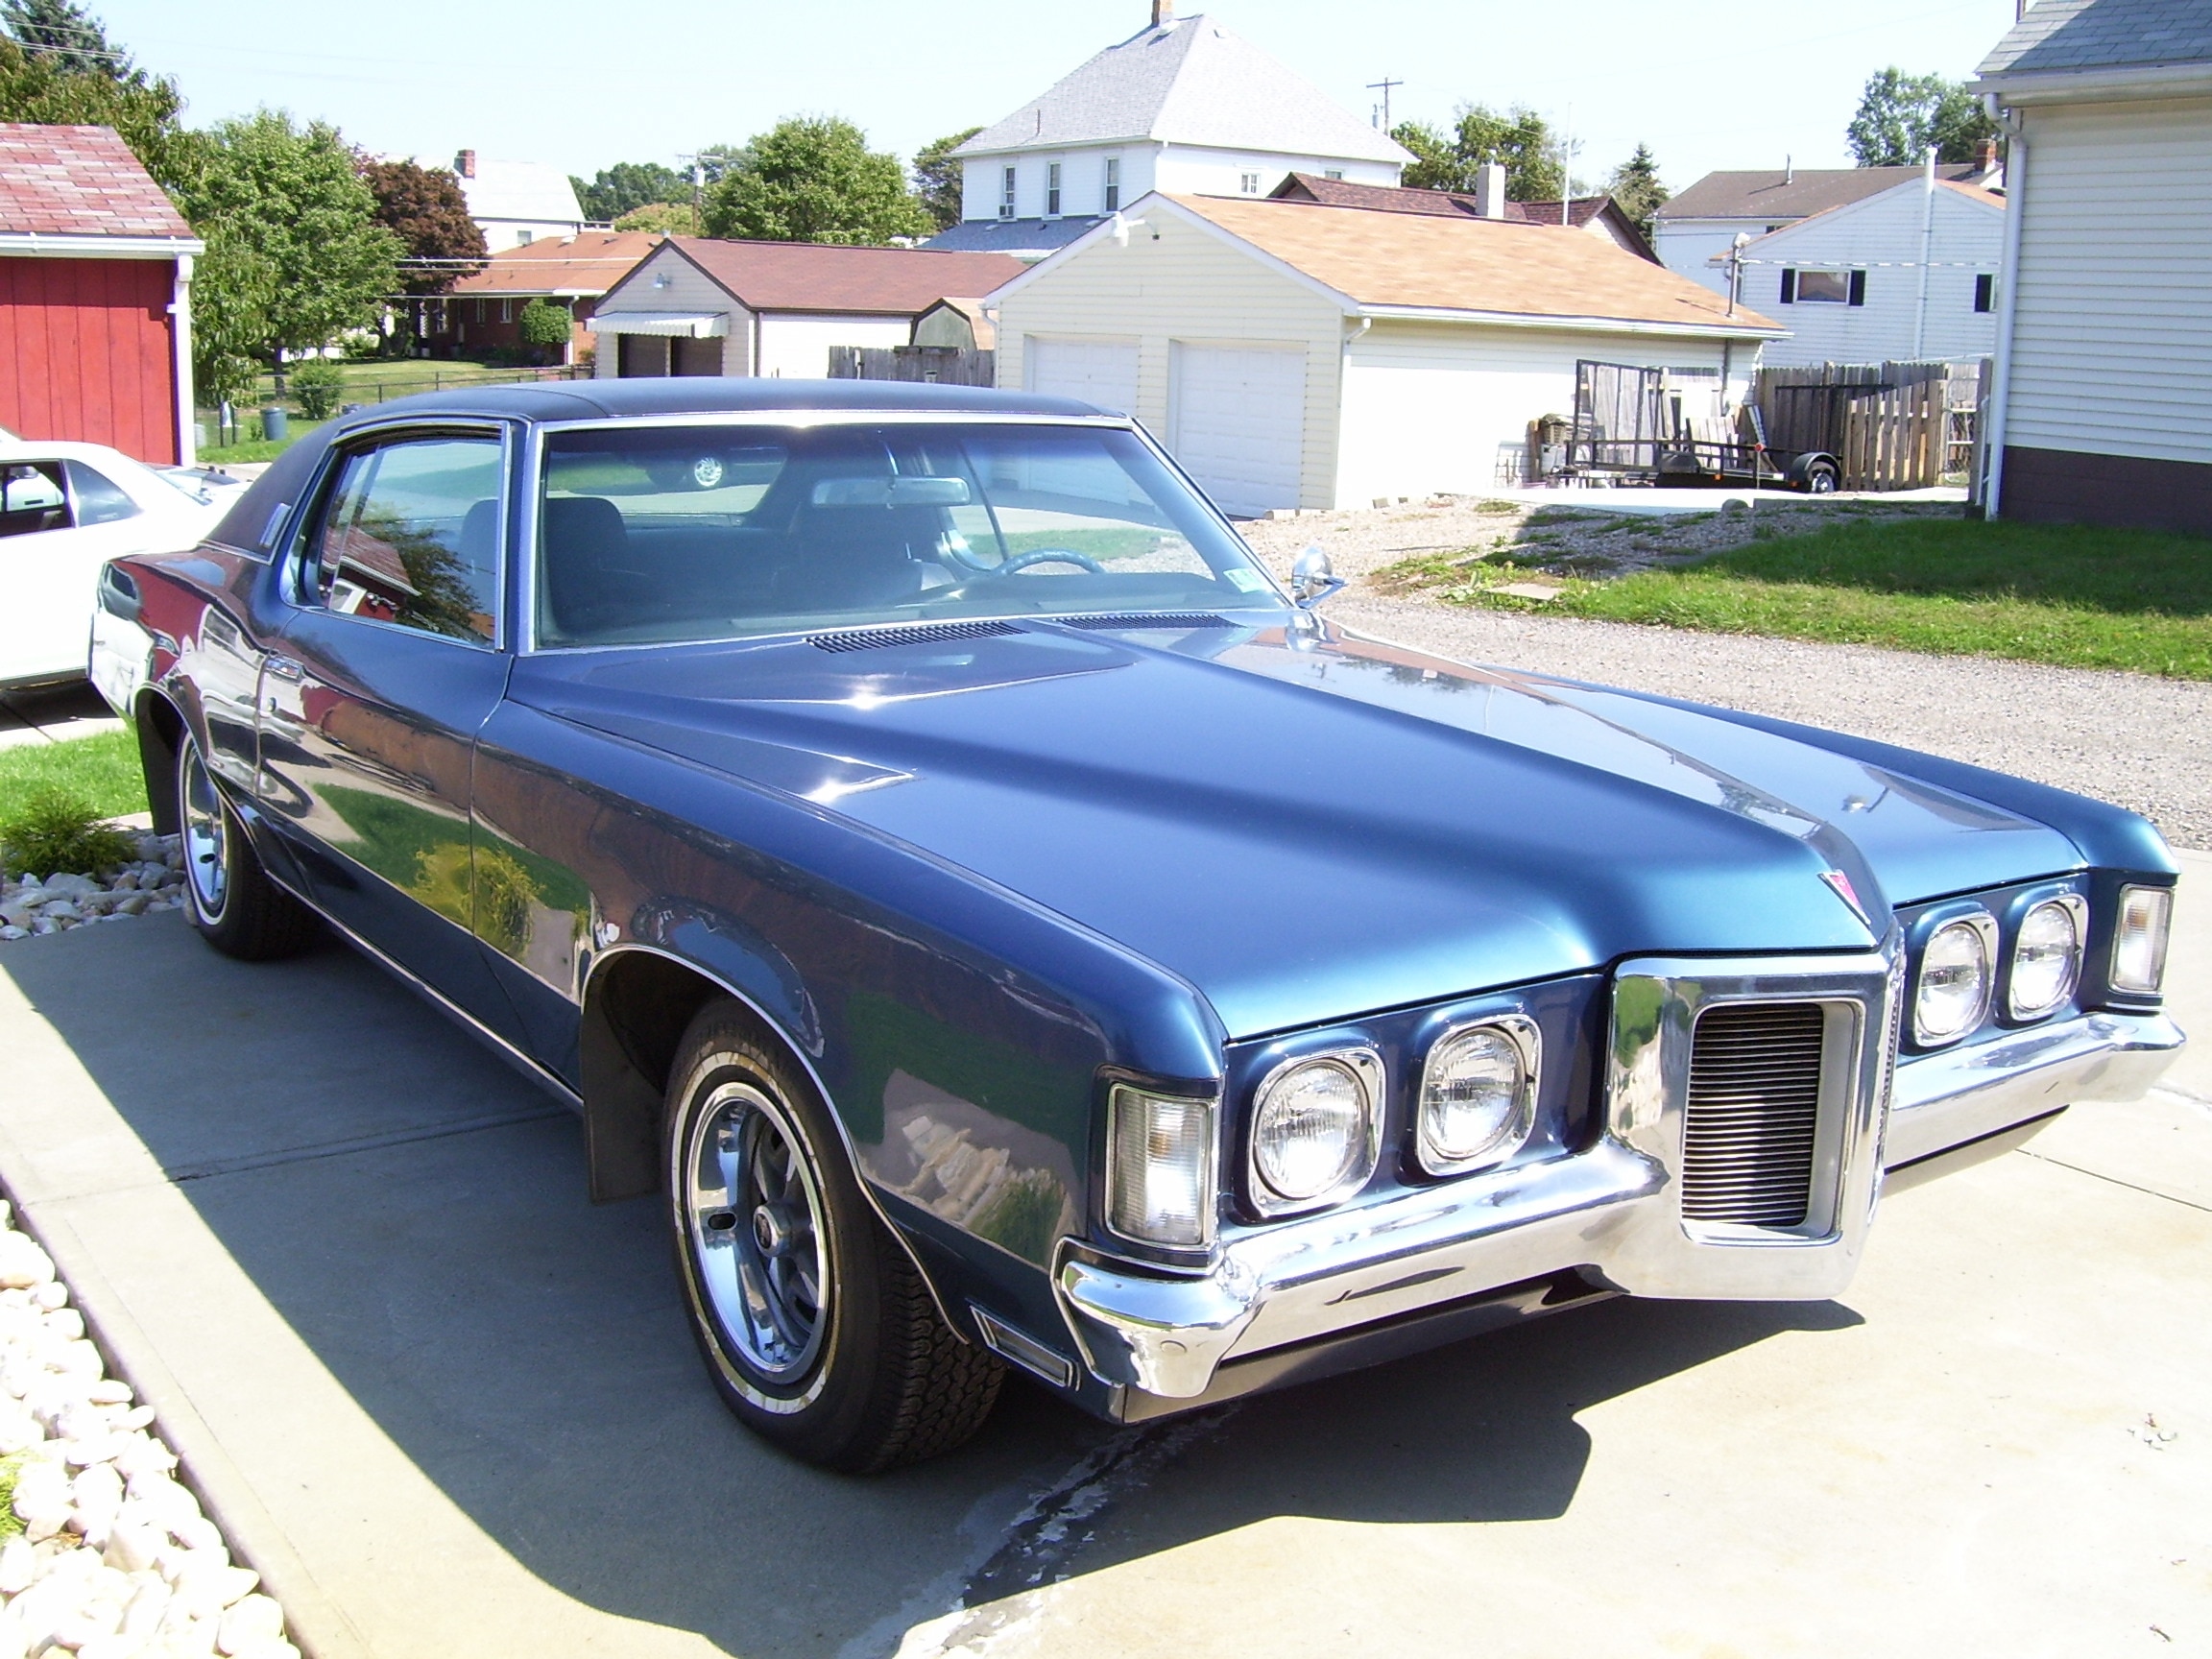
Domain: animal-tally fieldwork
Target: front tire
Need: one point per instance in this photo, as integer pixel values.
(229, 897)
(817, 1329)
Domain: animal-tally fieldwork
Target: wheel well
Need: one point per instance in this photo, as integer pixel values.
(636, 1010)
(160, 728)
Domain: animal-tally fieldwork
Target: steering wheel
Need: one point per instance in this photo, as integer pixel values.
(1044, 555)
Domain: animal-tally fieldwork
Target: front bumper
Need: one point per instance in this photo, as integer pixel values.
(1610, 1215)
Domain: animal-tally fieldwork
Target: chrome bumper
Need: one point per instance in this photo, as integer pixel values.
(1612, 1211)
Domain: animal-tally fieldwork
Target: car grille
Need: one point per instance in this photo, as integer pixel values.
(908, 634)
(1753, 1114)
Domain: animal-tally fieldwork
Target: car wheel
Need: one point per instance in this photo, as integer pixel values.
(228, 896)
(1819, 479)
(817, 1329)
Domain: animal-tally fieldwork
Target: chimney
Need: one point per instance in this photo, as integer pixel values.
(1162, 12)
(1788, 170)
(465, 163)
(1490, 190)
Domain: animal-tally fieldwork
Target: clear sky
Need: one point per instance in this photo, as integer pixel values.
(582, 85)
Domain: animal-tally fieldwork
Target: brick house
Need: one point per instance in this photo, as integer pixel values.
(482, 313)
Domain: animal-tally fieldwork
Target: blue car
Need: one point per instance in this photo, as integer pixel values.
(1008, 930)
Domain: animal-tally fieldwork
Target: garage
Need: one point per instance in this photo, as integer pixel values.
(1237, 421)
(1100, 371)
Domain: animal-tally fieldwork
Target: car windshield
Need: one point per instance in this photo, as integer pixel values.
(685, 533)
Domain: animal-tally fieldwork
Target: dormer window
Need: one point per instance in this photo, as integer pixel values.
(1248, 183)
(1006, 194)
(1333, 173)
(1053, 190)
(1113, 183)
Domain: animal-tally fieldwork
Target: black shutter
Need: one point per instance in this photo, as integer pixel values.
(1788, 287)
(1858, 287)
(1984, 293)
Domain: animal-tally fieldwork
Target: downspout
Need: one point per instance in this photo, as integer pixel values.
(1927, 253)
(1343, 391)
(180, 340)
(2007, 300)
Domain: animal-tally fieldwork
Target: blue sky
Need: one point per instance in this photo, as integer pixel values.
(585, 84)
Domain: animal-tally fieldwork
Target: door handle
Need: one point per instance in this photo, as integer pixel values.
(284, 668)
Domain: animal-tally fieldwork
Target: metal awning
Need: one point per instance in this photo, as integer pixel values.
(683, 325)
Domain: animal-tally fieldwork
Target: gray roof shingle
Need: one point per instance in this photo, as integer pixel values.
(2062, 34)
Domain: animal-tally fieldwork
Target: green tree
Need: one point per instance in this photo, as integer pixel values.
(65, 35)
(545, 324)
(668, 218)
(937, 178)
(1900, 115)
(424, 208)
(233, 286)
(1536, 165)
(294, 198)
(628, 186)
(1636, 189)
(813, 179)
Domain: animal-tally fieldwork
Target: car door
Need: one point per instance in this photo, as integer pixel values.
(389, 664)
(60, 520)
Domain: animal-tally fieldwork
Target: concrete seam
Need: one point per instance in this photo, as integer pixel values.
(2114, 1180)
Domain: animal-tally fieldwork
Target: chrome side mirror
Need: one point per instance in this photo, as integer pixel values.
(1311, 578)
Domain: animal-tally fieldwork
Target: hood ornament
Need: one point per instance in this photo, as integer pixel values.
(1841, 885)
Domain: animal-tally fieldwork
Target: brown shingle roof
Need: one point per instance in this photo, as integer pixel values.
(810, 276)
(1777, 196)
(79, 182)
(589, 262)
(1447, 203)
(1431, 262)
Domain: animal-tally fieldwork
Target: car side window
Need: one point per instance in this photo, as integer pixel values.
(100, 499)
(408, 533)
(32, 497)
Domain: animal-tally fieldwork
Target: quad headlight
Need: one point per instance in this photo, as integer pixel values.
(2047, 957)
(1956, 967)
(1316, 1126)
(1160, 1167)
(1478, 1096)
(2139, 941)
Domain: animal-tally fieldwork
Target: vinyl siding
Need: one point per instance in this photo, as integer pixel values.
(689, 292)
(2112, 338)
(1190, 286)
(796, 347)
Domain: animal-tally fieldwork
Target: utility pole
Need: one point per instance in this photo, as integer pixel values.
(1384, 87)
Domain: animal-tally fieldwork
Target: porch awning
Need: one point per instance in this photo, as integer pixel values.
(683, 325)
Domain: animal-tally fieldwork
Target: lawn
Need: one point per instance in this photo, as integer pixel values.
(374, 381)
(2082, 597)
(103, 771)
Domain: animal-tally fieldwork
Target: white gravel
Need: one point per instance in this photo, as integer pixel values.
(54, 904)
(107, 1554)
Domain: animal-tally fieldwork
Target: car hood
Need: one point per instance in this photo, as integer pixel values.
(1306, 825)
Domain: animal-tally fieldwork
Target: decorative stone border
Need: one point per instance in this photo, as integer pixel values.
(54, 903)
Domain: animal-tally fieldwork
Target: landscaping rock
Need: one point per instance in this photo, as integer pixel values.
(35, 905)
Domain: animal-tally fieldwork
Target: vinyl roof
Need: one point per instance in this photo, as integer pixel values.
(811, 277)
(2061, 35)
(79, 182)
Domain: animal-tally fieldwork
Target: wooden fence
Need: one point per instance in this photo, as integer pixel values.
(1890, 425)
(946, 365)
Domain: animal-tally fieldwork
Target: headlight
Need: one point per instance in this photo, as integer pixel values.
(1954, 992)
(1160, 1167)
(1478, 1096)
(2046, 957)
(1316, 1124)
(2139, 942)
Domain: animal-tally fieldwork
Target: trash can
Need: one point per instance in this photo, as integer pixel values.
(276, 424)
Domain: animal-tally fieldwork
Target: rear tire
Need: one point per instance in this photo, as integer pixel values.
(817, 1329)
(229, 897)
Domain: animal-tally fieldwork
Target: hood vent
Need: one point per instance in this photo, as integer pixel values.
(908, 634)
(1147, 619)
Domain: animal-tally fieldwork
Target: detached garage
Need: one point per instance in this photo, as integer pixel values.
(95, 291)
(1297, 354)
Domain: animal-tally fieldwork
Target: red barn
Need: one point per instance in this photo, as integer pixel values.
(95, 295)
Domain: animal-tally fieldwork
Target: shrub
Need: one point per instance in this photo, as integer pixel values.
(546, 323)
(56, 833)
(318, 384)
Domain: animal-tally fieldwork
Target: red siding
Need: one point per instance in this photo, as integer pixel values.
(86, 353)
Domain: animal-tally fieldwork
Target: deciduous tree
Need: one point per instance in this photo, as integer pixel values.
(937, 178)
(423, 206)
(1900, 115)
(92, 85)
(232, 288)
(668, 218)
(628, 186)
(813, 179)
(1535, 166)
(1636, 189)
(65, 35)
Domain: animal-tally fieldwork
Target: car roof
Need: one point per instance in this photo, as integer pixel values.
(600, 399)
(30, 450)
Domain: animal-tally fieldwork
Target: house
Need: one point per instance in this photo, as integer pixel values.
(481, 312)
(1183, 107)
(518, 203)
(697, 306)
(1599, 215)
(1295, 354)
(95, 295)
(1705, 220)
(1908, 272)
(2099, 411)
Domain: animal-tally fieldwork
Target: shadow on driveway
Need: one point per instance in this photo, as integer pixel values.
(415, 1212)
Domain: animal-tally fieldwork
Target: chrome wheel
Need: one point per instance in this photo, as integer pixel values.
(207, 827)
(758, 1235)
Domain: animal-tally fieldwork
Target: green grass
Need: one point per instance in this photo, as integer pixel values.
(2067, 594)
(102, 770)
(368, 382)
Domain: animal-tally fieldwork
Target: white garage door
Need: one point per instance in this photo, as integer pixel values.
(1100, 371)
(1239, 418)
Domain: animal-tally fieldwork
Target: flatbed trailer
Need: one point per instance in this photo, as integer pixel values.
(1629, 428)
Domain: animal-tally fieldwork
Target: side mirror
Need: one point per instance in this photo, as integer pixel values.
(1312, 579)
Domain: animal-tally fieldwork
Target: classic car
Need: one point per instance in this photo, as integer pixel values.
(65, 509)
(1008, 929)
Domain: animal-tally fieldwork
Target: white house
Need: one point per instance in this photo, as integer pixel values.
(2100, 413)
(1296, 354)
(1703, 222)
(1910, 273)
(518, 203)
(1185, 107)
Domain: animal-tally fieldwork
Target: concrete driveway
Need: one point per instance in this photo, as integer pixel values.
(447, 1405)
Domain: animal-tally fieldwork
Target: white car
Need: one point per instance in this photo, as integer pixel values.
(65, 509)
